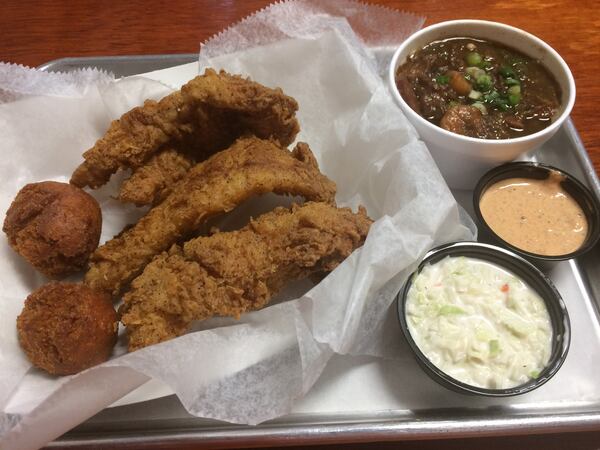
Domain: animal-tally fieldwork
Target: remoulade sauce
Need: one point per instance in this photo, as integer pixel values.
(537, 216)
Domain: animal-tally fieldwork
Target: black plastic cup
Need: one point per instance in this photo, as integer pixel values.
(533, 170)
(521, 268)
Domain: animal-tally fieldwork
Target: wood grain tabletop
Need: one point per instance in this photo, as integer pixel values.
(36, 31)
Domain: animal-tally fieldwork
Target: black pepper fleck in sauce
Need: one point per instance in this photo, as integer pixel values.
(537, 216)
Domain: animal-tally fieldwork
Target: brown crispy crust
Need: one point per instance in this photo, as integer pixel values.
(54, 226)
(230, 273)
(67, 327)
(209, 113)
(152, 182)
(134, 138)
(250, 167)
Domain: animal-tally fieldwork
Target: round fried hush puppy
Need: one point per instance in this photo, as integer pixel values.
(67, 327)
(55, 226)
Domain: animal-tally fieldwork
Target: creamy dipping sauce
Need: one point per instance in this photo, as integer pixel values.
(537, 216)
(479, 323)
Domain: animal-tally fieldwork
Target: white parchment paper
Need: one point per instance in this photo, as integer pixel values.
(254, 369)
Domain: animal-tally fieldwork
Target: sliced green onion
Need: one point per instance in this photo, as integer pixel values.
(514, 99)
(512, 82)
(442, 79)
(481, 107)
(494, 99)
(502, 104)
(474, 95)
(473, 59)
(534, 374)
(475, 71)
(507, 72)
(491, 96)
(516, 89)
(484, 82)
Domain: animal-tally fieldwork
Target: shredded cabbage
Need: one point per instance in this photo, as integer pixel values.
(479, 323)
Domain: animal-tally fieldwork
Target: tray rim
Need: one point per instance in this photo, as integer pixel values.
(339, 434)
(349, 427)
(70, 62)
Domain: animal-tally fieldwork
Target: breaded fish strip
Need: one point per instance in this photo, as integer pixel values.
(250, 167)
(131, 140)
(230, 273)
(151, 182)
(211, 111)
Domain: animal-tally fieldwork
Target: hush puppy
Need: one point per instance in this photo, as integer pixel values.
(67, 327)
(55, 226)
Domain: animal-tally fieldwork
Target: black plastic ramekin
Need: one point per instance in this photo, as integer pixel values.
(534, 170)
(521, 268)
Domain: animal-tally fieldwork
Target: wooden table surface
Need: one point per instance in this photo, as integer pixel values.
(34, 32)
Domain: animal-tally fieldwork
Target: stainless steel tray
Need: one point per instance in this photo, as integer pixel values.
(165, 421)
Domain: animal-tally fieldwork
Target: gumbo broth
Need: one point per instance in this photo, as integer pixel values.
(479, 88)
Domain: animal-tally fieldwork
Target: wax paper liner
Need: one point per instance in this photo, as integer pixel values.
(17, 81)
(250, 370)
(379, 28)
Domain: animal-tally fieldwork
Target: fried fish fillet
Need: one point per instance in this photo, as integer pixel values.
(230, 273)
(251, 166)
(209, 113)
(151, 182)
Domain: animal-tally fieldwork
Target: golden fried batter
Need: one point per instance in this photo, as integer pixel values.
(209, 113)
(67, 327)
(250, 167)
(151, 182)
(54, 226)
(230, 273)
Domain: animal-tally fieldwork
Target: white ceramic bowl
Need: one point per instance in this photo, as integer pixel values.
(461, 159)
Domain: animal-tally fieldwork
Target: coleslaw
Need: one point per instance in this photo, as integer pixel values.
(479, 323)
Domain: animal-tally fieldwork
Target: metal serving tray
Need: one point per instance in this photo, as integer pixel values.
(164, 421)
